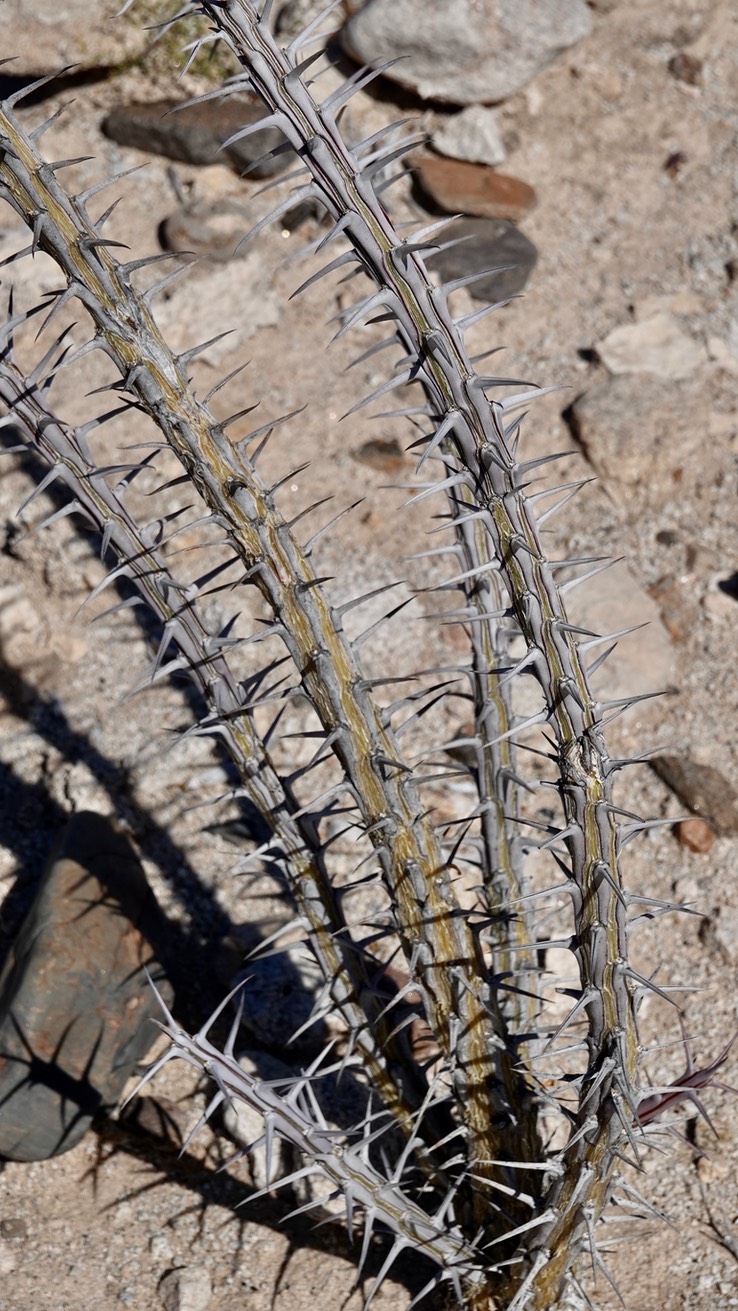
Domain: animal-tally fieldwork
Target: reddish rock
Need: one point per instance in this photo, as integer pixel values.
(686, 67)
(703, 789)
(669, 597)
(461, 188)
(382, 453)
(696, 835)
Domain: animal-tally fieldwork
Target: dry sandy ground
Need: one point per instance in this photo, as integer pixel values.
(636, 180)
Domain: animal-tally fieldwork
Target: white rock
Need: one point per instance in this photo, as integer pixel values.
(656, 345)
(643, 661)
(465, 51)
(473, 135)
(186, 1289)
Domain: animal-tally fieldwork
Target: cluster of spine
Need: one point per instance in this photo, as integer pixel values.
(502, 1218)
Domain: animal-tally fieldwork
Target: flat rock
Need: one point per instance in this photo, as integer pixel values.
(74, 998)
(465, 51)
(702, 789)
(490, 244)
(458, 187)
(473, 135)
(643, 661)
(656, 345)
(195, 133)
(636, 433)
(696, 835)
(212, 231)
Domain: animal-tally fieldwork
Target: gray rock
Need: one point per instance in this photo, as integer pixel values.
(487, 244)
(186, 1290)
(465, 51)
(195, 133)
(473, 135)
(74, 999)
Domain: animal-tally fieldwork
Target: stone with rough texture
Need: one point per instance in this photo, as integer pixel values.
(642, 661)
(473, 135)
(489, 244)
(696, 835)
(461, 188)
(636, 432)
(74, 998)
(702, 788)
(207, 231)
(465, 51)
(656, 345)
(186, 1289)
(194, 134)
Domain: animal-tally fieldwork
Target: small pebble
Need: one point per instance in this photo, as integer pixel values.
(186, 1290)
(686, 68)
(695, 835)
(13, 1227)
(459, 187)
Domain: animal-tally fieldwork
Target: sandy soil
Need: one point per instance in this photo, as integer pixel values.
(636, 183)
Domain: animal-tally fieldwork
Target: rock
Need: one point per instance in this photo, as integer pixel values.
(695, 835)
(702, 789)
(159, 1118)
(279, 995)
(206, 231)
(642, 661)
(382, 453)
(473, 135)
(186, 1289)
(14, 1226)
(74, 999)
(656, 345)
(457, 187)
(686, 68)
(8, 1259)
(465, 51)
(676, 614)
(636, 433)
(719, 931)
(196, 133)
(490, 244)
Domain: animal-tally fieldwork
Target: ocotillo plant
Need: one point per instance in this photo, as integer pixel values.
(500, 1200)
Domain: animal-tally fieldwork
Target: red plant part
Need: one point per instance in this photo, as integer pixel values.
(684, 1088)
